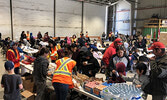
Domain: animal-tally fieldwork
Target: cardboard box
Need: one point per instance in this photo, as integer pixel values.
(98, 89)
(28, 95)
(28, 83)
(88, 89)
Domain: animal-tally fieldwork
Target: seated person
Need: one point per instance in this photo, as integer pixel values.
(140, 80)
(89, 65)
(120, 69)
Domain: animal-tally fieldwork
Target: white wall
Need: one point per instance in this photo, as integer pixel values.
(37, 15)
(94, 19)
(123, 17)
(68, 17)
(33, 16)
(5, 18)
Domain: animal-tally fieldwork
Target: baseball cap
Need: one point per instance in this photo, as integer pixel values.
(9, 65)
(156, 45)
(118, 41)
(13, 43)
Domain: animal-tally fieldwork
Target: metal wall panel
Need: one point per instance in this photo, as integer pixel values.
(5, 18)
(68, 17)
(123, 18)
(38, 15)
(33, 16)
(147, 8)
(94, 19)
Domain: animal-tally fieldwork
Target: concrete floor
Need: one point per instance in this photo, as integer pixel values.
(2, 71)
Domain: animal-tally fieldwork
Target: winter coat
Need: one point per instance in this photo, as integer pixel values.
(92, 66)
(158, 76)
(111, 50)
(40, 69)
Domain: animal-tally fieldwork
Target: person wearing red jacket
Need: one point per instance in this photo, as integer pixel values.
(14, 56)
(111, 50)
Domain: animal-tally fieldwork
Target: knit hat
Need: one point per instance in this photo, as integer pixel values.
(9, 65)
(120, 67)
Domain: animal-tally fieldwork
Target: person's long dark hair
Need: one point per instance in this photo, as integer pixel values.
(120, 48)
(42, 51)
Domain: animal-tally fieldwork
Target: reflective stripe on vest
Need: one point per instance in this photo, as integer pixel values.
(63, 69)
(13, 53)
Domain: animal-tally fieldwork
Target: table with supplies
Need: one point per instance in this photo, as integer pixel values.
(29, 50)
(29, 68)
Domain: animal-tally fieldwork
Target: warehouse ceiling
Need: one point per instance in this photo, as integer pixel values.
(105, 2)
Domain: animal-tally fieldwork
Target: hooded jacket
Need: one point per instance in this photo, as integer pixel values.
(40, 69)
(111, 50)
(92, 65)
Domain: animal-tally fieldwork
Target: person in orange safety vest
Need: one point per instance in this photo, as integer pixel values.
(14, 56)
(53, 51)
(28, 36)
(62, 77)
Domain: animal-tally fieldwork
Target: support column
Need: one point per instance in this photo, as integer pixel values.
(82, 16)
(54, 17)
(11, 18)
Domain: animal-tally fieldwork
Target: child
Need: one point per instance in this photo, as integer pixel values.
(120, 69)
(140, 80)
(11, 82)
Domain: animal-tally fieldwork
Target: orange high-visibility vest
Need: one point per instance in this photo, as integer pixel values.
(63, 72)
(54, 54)
(16, 57)
(28, 36)
(87, 36)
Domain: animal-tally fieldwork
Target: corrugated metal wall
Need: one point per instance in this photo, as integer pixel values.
(147, 8)
(5, 18)
(38, 15)
(33, 16)
(123, 18)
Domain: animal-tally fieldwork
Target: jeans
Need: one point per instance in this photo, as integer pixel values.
(41, 90)
(61, 90)
(16, 70)
(158, 97)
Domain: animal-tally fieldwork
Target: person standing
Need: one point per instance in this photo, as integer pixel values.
(143, 43)
(14, 56)
(11, 83)
(110, 36)
(111, 50)
(62, 77)
(158, 73)
(40, 72)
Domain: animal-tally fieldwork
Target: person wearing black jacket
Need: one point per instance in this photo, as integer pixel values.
(117, 58)
(143, 43)
(40, 73)
(90, 65)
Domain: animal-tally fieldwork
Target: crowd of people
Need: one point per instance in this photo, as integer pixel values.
(72, 55)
